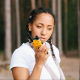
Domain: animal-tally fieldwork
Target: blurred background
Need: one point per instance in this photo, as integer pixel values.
(66, 34)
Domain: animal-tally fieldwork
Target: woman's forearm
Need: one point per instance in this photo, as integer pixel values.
(41, 57)
(36, 73)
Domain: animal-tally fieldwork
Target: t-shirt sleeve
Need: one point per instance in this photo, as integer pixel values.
(57, 54)
(18, 60)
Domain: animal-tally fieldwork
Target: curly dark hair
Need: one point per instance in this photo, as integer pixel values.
(32, 17)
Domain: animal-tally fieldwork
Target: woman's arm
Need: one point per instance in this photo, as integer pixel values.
(20, 73)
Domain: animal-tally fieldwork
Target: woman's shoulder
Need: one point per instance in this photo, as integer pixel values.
(23, 46)
(20, 56)
(57, 54)
(54, 47)
(23, 49)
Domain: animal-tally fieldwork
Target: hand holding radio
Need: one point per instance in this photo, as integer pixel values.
(41, 55)
(41, 50)
(36, 42)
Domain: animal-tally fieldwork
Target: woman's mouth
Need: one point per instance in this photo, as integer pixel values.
(42, 38)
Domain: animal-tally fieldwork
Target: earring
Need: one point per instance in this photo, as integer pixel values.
(29, 29)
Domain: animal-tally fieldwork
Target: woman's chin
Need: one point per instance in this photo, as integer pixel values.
(43, 41)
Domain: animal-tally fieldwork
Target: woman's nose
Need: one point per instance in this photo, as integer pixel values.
(44, 31)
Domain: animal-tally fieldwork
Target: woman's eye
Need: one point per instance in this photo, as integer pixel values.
(49, 28)
(39, 26)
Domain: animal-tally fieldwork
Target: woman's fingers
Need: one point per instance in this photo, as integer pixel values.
(44, 49)
(41, 48)
(41, 55)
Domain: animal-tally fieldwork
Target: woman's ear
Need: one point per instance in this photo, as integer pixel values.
(29, 27)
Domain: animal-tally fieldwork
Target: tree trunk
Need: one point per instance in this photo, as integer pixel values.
(33, 4)
(13, 26)
(78, 3)
(65, 25)
(59, 27)
(39, 3)
(8, 51)
(46, 2)
(54, 30)
(22, 9)
(18, 23)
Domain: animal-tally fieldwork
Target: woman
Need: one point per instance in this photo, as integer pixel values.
(30, 64)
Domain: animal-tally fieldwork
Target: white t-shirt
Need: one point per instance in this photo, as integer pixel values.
(24, 56)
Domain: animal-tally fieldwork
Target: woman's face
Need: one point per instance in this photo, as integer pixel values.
(42, 26)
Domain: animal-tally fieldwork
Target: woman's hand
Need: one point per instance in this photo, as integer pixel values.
(41, 55)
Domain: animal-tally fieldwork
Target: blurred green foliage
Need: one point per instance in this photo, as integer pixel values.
(72, 25)
(1, 52)
(72, 28)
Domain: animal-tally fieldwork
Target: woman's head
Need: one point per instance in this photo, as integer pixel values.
(41, 23)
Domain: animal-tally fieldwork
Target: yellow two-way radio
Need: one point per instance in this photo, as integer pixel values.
(36, 42)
